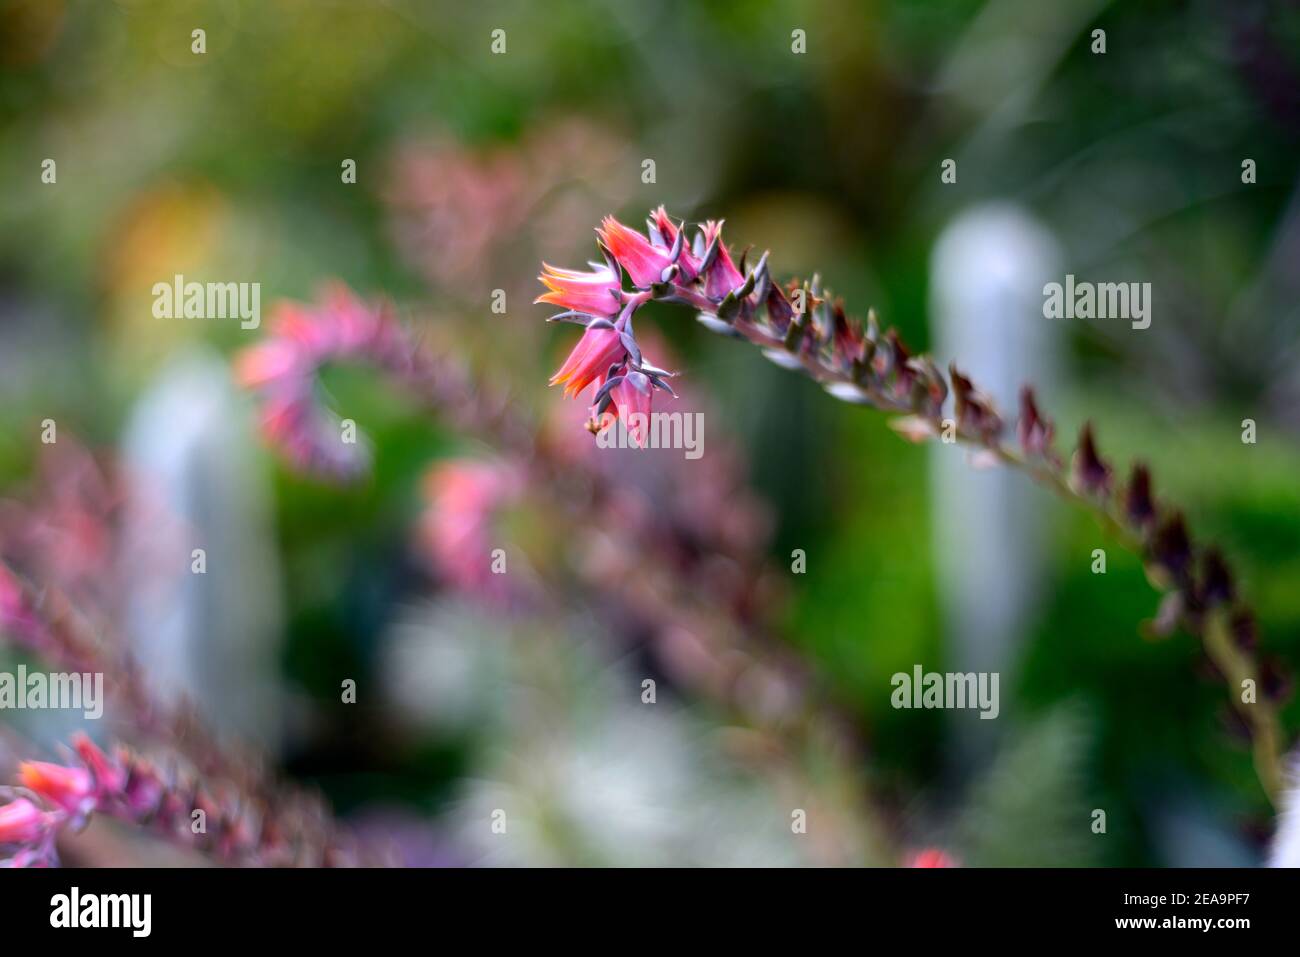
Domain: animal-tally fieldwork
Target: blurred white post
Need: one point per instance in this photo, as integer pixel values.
(988, 269)
(212, 636)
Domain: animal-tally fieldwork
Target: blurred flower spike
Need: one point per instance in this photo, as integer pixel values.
(283, 368)
(132, 789)
(67, 796)
(801, 327)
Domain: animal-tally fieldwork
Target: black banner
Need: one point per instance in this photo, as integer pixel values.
(213, 906)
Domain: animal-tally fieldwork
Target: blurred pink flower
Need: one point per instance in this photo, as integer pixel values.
(268, 361)
(14, 614)
(107, 773)
(72, 789)
(465, 497)
(931, 857)
(460, 212)
(282, 369)
(22, 822)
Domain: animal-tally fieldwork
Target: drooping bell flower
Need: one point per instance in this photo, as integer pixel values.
(594, 293)
(73, 789)
(22, 822)
(631, 396)
(645, 262)
(600, 347)
(720, 275)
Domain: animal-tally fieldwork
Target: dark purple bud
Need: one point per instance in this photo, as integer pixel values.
(1138, 504)
(779, 310)
(1216, 579)
(903, 373)
(1172, 549)
(1034, 432)
(1091, 474)
(846, 334)
(975, 412)
(930, 390)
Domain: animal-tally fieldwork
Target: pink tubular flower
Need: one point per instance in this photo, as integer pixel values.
(22, 822)
(599, 348)
(631, 399)
(73, 789)
(607, 354)
(644, 261)
(663, 233)
(722, 276)
(594, 293)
